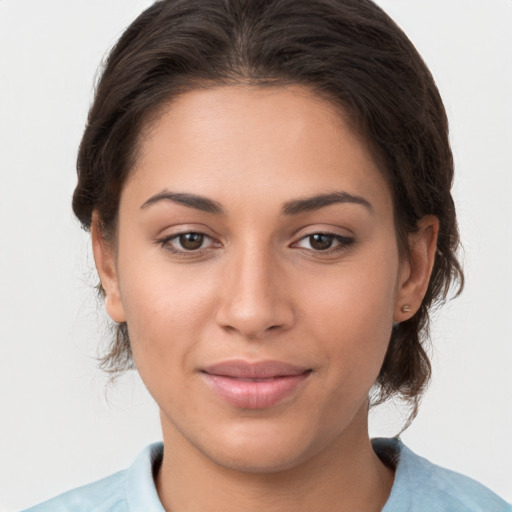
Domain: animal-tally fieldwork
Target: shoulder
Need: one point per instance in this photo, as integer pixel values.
(101, 496)
(422, 486)
(128, 490)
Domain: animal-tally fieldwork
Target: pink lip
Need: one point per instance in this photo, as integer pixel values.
(254, 385)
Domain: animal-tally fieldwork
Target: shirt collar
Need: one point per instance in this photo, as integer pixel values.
(392, 452)
(140, 489)
(142, 496)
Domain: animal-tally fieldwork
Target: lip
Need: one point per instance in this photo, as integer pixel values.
(254, 385)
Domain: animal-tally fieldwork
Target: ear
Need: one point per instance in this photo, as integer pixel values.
(416, 270)
(104, 257)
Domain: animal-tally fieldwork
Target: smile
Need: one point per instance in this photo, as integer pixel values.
(254, 385)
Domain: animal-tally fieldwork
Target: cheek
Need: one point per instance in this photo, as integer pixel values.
(164, 308)
(352, 312)
(359, 298)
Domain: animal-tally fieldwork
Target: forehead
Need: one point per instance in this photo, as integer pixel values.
(255, 142)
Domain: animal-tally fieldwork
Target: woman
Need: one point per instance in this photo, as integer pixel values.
(267, 186)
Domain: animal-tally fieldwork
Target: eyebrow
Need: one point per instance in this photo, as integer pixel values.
(294, 207)
(309, 204)
(193, 201)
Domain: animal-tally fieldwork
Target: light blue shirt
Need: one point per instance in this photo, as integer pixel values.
(419, 486)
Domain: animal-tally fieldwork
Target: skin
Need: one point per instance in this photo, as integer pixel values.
(258, 288)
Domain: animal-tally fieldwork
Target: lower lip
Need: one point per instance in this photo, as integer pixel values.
(255, 394)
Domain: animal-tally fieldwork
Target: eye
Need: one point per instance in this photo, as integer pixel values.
(190, 241)
(186, 242)
(324, 242)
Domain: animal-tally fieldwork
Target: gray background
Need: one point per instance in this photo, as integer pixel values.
(58, 426)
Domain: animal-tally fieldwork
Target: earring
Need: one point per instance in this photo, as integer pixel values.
(405, 308)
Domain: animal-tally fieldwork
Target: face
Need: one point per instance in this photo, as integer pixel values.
(257, 268)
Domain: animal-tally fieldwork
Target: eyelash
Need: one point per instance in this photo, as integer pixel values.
(166, 243)
(343, 243)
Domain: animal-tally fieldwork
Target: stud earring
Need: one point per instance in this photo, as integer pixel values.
(406, 308)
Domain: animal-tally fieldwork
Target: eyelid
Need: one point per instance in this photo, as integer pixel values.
(181, 228)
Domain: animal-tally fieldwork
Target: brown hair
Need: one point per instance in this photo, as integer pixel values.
(348, 51)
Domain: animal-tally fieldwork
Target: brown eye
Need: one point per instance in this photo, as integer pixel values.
(191, 241)
(320, 241)
(325, 242)
(188, 243)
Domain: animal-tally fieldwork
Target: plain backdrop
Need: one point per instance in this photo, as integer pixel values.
(59, 426)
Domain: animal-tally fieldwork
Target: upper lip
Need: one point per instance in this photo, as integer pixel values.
(254, 370)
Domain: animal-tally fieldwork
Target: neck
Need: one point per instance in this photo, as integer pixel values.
(346, 475)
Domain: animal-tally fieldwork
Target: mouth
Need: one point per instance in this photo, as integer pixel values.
(258, 385)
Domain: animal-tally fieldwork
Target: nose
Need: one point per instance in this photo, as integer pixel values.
(254, 299)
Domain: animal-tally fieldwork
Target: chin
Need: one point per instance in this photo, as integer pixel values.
(258, 461)
(263, 450)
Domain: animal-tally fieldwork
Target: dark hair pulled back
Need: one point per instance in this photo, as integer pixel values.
(346, 51)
